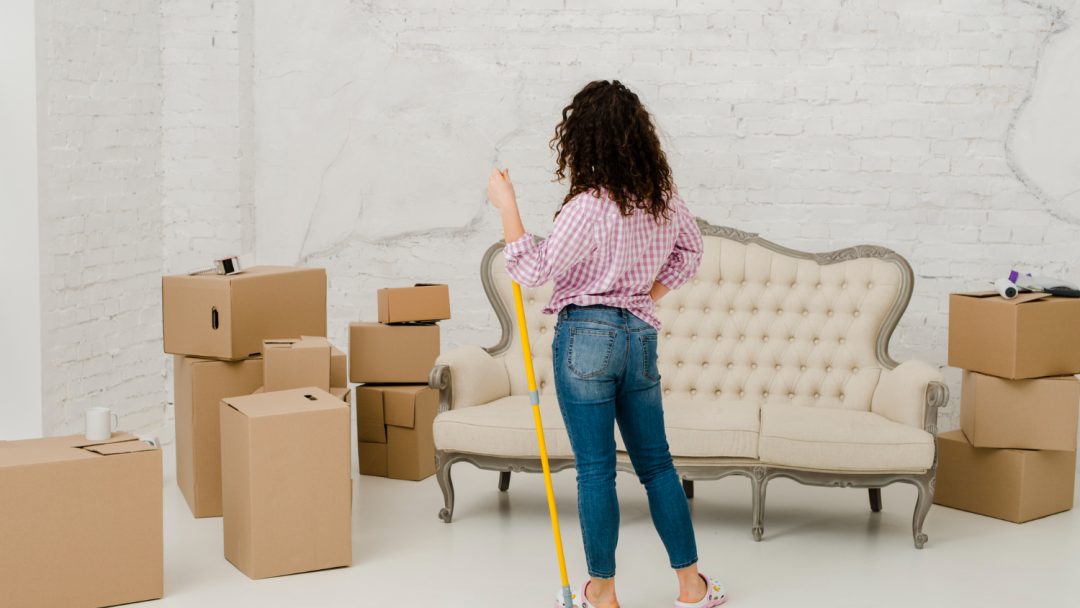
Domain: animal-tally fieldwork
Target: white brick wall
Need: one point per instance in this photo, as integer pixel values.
(206, 145)
(818, 124)
(358, 136)
(99, 143)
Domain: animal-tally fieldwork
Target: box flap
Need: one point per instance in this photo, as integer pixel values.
(301, 342)
(280, 342)
(400, 406)
(51, 449)
(123, 447)
(1027, 296)
(274, 403)
(79, 441)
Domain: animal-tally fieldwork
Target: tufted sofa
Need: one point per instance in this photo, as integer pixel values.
(774, 363)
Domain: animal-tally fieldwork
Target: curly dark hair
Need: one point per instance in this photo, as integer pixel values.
(606, 141)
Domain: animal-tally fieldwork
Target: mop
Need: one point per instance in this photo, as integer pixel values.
(534, 399)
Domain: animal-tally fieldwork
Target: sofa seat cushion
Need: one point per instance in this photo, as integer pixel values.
(711, 429)
(843, 440)
(504, 427)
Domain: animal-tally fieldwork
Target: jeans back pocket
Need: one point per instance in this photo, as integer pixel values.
(589, 351)
(649, 368)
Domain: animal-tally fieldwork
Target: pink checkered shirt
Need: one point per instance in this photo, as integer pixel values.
(596, 255)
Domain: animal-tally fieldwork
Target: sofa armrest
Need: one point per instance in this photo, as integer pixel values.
(910, 394)
(467, 376)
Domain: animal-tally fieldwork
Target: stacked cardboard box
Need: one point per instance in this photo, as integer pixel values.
(395, 408)
(215, 326)
(262, 416)
(1014, 456)
(286, 482)
(305, 361)
(80, 522)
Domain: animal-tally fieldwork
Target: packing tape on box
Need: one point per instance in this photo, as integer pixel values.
(224, 266)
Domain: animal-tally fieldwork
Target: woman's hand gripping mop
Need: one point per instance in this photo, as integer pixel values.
(534, 398)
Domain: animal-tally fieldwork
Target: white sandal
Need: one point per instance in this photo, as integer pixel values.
(715, 595)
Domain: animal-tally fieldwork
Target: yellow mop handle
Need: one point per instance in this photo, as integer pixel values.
(534, 398)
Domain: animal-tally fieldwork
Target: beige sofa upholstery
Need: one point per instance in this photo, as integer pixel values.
(774, 363)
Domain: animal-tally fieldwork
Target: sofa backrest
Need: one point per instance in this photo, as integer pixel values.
(758, 322)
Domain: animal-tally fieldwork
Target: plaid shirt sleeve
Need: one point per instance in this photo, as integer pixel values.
(532, 263)
(685, 258)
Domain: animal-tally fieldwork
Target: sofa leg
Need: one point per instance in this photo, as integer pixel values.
(757, 483)
(922, 507)
(875, 500)
(442, 473)
(688, 488)
(504, 481)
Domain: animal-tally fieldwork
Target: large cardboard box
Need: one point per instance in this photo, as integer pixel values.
(80, 522)
(227, 317)
(1030, 336)
(1037, 414)
(200, 385)
(394, 431)
(1015, 485)
(392, 353)
(286, 482)
(421, 302)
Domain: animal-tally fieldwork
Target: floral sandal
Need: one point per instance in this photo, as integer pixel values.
(715, 595)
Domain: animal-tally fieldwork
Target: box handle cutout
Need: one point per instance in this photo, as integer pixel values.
(213, 317)
(311, 397)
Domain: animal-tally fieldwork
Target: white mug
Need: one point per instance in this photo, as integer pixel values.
(100, 423)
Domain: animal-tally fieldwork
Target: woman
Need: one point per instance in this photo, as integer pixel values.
(622, 239)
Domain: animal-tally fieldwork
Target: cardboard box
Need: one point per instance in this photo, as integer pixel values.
(228, 317)
(1030, 336)
(296, 363)
(1038, 414)
(286, 482)
(1015, 485)
(392, 353)
(80, 522)
(421, 302)
(200, 385)
(398, 418)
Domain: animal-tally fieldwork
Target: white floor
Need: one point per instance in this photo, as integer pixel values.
(822, 547)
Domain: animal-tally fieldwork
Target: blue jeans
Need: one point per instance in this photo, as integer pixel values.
(605, 372)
